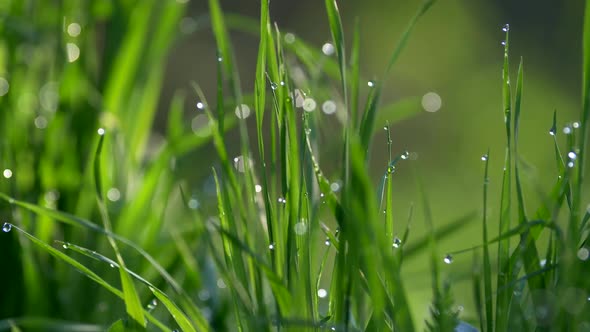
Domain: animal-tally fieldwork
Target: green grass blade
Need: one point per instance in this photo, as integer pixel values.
(487, 266)
(176, 313)
(87, 272)
(335, 23)
(503, 299)
(355, 75)
(46, 324)
(132, 302)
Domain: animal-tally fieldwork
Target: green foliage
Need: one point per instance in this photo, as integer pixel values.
(296, 242)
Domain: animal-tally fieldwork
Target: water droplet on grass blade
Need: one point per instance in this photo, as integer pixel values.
(100, 131)
(397, 242)
(289, 38)
(405, 155)
(431, 102)
(328, 49)
(503, 43)
(309, 105)
(329, 107)
(448, 259)
(327, 242)
(567, 130)
(484, 157)
(200, 106)
(257, 188)
(371, 84)
(65, 246)
(552, 131)
(242, 111)
(572, 155)
(271, 246)
(7, 173)
(6, 227)
(322, 293)
(152, 304)
(583, 254)
(506, 27)
(576, 125)
(390, 169)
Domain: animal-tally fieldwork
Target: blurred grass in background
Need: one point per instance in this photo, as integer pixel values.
(69, 68)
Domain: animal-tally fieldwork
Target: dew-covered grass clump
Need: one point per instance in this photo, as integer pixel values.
(272, 203)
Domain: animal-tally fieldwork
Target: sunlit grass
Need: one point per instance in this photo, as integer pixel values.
(101, 231)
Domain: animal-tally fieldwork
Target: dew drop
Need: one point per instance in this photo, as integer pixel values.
(583, 254)
(448, 259)
(271, 246)
(112, 265)
(114, 194)
(570, 164)
(72, 52)
(66, 246)
(273, 85)
(322, 293)
(397, 242)
(567, 130)
(576, 125)
(327, 242)
(328, 49)
(503, 43)
(152, 304)
(219, 59)
(572, 155)
(289, 38)
(74, 29)
(390, 169)
(257, 188)
(309, 105)
(200, 105)
(405, 155)
(242, 111)
(552, 131)
(100, 131)
(371, 84)
(335, 186)
(7, 173)
(431, 102)
(193, 204)
(307, 131)
(329, 107)
(506, 27)
(6, 227)
(282, 200)
(484, 157)
(41, 122)
(301, 227)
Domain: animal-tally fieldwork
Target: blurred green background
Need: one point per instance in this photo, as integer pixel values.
(64, 84)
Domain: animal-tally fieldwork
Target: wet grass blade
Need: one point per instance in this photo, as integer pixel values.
(88, 273)
(335, 23)
(132, 302)
(503, 299)
(487, 265)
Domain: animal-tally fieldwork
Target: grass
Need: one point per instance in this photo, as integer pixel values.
(102, 232)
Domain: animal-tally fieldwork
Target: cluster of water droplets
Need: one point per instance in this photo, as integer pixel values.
(571, 158)
(152, 305)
